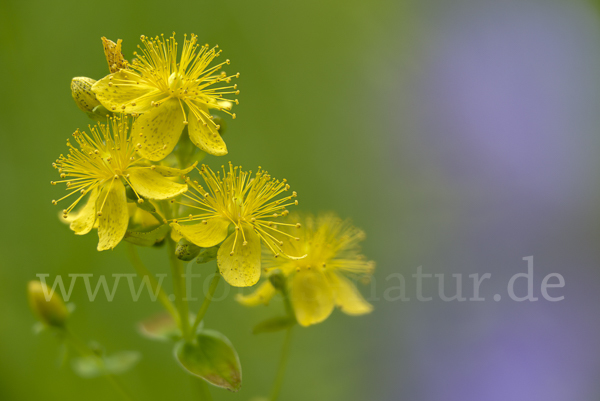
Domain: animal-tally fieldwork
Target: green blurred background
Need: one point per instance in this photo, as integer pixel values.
(460, 135)
(305, 114)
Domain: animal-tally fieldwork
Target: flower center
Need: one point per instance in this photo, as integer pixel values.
(175, 84)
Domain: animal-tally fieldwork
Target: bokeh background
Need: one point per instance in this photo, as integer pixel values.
(460, 135)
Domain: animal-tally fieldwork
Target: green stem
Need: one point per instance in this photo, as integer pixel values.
(282, 364)
(178, 279)
(201, 388)
(142, 271)
(207, 300)
(84, 350)
(180, 291)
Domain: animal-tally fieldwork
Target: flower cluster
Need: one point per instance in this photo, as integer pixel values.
(135, 176)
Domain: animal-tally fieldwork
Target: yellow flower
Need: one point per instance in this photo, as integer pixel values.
(170, 95)
(245, 204)
(320, 281)
(99, 167)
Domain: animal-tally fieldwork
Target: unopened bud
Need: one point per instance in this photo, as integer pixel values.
(277, 279)
(113, 54)
(81, 90)
(47, 305)
(207, 254)
(185, 250)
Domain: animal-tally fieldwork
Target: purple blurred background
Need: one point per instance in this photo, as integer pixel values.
(502, 99)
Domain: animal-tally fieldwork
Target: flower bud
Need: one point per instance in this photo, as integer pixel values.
(207, 254)
(47, 305)
(186, 250)
(113, 54)
(81, 90)
(277, 279)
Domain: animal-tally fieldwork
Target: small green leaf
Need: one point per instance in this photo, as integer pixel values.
(148, 238)
(94, 366)
(121, 362)
(87, 367)
(212, 358)
(274, 324)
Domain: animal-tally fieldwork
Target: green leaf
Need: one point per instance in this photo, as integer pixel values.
(274, 324)
(121, 362)
(87, 367)
(94, 366)
(212, 358)
(148, 238)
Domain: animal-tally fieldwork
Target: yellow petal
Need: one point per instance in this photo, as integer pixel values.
(205, 235)
(85, 219)
(262, 295)
(239, 264)
(115, 216)
(161, 128)
(173, 172)
(151, 185)
(205, 136)
(175, 234)
(347, 297)
(122, 89)
(311, 296)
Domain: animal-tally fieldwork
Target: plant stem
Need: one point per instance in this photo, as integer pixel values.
(201, 388)
(282, 364)
(178, 279)
(142, 271)
(180, 291)
(207, 300)
(84, 350)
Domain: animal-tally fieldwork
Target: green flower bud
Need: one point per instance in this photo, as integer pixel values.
(186, 250)
(81, 90)
(47, 305)
(101, 113)
(207, 254)
(277, 279)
